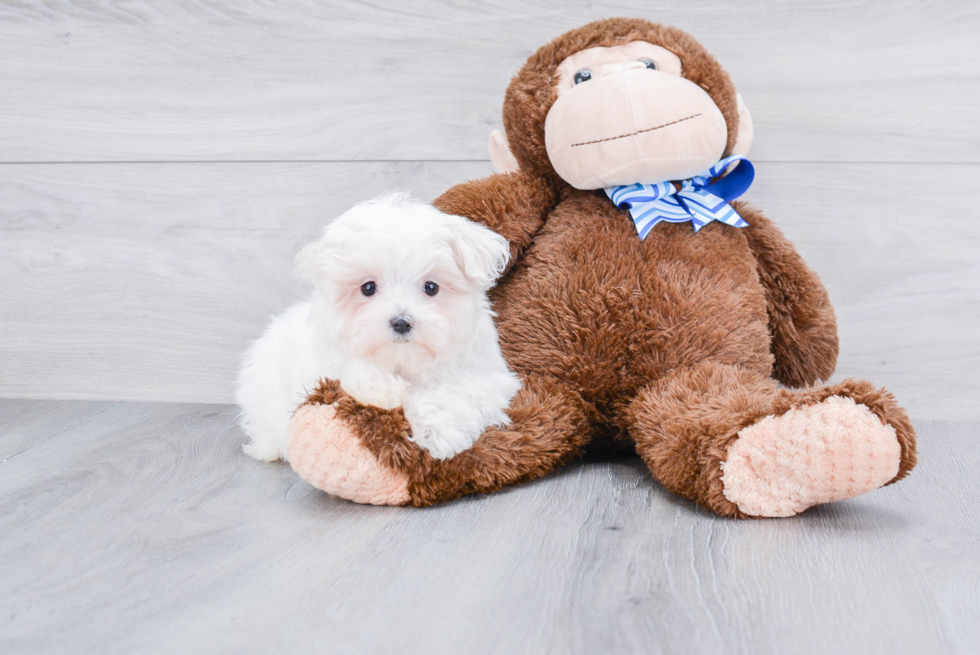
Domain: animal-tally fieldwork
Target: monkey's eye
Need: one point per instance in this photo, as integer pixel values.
(649, 64)
(431, 288)
(583, 75)
(369, 288)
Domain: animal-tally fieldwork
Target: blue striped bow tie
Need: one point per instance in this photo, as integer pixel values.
(699, 200)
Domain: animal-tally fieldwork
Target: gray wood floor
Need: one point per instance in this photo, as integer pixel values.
(162, 161)
(140, 527)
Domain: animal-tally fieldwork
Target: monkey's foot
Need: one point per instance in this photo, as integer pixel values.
(325, 450)
(831, 450)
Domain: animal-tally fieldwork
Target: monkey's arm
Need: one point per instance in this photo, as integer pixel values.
(801, 319)
(513, 205)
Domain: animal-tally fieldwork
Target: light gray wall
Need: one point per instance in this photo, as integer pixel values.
(161, 162)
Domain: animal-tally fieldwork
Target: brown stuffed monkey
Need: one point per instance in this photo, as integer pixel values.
(670, 337)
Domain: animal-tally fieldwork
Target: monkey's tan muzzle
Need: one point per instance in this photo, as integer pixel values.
(632, 125)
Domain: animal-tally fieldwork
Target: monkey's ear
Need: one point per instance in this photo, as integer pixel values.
(500, 155)
(743, 140)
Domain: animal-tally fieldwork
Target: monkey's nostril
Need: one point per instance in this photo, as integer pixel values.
(401, 325)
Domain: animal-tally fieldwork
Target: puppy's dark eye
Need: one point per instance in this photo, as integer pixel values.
(649, 64)
(368, 288)
(583, 75)
(431, 288)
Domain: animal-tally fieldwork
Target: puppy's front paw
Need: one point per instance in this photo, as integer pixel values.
(263, 450)
(371, 385)
(374, 392)
(443, 429)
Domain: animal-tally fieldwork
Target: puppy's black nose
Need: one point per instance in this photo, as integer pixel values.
(401, 325)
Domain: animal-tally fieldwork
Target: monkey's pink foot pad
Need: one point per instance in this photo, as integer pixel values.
(820, 453)
(325, 452)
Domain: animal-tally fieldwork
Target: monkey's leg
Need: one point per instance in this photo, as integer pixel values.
(364, 454)
(731, 440)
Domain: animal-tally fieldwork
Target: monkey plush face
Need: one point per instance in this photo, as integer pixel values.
(624, 114)
(620, 101)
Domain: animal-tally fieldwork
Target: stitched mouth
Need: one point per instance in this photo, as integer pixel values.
(649, 129)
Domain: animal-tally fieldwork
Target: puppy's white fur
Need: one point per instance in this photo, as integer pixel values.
(446, 372)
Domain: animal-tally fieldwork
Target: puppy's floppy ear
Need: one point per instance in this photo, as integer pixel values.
(480, 253)
(309, 262)
(316, 262)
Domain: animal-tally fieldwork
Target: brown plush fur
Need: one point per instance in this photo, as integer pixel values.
(671, 342)
(549, 426)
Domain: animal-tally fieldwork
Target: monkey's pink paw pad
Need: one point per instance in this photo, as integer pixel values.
(326, 453)
(820, 453)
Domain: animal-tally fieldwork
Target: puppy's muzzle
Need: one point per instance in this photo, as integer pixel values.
(401, 324)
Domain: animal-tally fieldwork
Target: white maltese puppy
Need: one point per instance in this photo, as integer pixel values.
(400, 316)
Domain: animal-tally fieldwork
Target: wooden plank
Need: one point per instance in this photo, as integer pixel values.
(903, 274)
(145, 529)
(28, 423)
(146, 282)
(144, 512)
(90, 80)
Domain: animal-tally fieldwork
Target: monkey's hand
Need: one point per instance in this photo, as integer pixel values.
(801, 319)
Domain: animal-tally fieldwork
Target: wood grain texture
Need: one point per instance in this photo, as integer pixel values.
(144, 529)
(26, 425)
(93, 80)
(146, 282)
